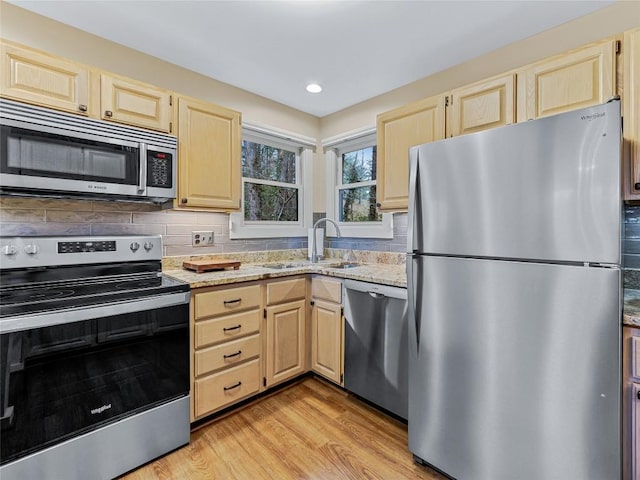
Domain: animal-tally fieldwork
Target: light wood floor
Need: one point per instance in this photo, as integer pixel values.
(310, 430)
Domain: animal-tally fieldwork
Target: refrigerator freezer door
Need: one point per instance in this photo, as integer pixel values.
(548, 189)
(517, 374)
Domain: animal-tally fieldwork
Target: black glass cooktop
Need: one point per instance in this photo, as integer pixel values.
(30, 298)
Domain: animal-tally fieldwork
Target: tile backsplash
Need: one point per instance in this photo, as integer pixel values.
(26, 216)
(34, 216)
(397, 244)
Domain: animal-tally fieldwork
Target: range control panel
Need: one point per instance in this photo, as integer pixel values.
(77, 247)
(20, 252)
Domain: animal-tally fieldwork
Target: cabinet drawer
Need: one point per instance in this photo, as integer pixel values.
(226, 354)
(225, 301)
(287, 290)
(224, 388)
(326, 289)
(228, 327)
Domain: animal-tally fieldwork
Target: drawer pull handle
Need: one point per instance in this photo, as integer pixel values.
(237, 300)
(226, 329)
(232, 386)
(231, 355)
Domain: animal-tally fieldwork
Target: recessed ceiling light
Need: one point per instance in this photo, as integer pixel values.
(314, 88)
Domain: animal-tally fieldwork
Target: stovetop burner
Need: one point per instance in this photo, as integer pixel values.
(27, 296)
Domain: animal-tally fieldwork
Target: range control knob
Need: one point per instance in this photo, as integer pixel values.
(134, 246)
(148, 246)
(31, 249)
(9, 250)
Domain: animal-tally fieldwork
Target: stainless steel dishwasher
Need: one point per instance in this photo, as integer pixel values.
(376, 355)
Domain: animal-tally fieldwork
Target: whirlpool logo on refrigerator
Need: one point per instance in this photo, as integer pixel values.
(593, 116)
(96, 411)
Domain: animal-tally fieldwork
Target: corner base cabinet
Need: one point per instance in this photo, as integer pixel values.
(327, 329)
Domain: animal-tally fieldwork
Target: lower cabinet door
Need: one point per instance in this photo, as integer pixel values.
(326, 340)
(226, 387)
(286, 340)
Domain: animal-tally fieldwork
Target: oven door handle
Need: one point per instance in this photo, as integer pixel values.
(71, 315)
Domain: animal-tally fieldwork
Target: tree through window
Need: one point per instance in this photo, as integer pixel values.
(270, 178)
(357, 191)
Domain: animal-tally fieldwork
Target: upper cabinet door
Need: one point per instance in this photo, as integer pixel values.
(578, 79)
(631, 106)
(135, 103)
(37, 78)
(483, 105)
(397, 131)
(209, 156)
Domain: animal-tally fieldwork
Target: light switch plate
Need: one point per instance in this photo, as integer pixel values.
(202, 238)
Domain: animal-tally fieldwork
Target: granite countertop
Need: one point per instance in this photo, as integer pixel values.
(631, 309)
(386, 274)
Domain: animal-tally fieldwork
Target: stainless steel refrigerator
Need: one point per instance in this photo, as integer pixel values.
(514, 290)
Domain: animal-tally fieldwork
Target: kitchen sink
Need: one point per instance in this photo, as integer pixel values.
(281, 266)
(344, 265)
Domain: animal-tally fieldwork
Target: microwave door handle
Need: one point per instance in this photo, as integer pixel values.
(142, 181)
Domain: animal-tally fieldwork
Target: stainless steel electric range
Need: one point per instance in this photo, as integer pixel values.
(94, 356)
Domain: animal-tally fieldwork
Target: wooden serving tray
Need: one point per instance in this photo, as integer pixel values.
(200, 266)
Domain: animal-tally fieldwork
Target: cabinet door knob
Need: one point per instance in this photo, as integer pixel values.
(82, 108)
(108, 113)
(183, 200)
(378, 205)
(636, 186)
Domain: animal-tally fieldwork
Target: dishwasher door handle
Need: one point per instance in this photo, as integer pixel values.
(376, 295)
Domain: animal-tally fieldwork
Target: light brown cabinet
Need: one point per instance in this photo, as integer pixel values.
(285, 330)
(209, 156)
(577, 79)
(631, 403)
(226, 347)
(327, 329)
(134, 103)
(631, 106)
(35, 77)
(482, 105)
(397, 131)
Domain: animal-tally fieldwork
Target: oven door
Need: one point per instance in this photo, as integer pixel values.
(70, 161)
(63, 379)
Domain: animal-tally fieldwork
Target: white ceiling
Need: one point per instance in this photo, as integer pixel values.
(355, 49)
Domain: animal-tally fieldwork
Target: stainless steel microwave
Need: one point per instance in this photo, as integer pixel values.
(50, 153)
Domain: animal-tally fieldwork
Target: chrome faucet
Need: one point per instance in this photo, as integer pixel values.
(314, 254)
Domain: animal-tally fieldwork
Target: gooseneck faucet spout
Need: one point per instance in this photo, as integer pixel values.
(314, 253)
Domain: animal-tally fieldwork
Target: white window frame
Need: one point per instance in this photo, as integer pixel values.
(303, 147)
(334, 148)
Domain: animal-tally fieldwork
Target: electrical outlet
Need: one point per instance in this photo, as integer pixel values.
(202, 238)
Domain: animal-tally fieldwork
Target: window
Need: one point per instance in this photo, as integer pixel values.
(276, 171)
(351, 188)
(270, 185)
(357, 186)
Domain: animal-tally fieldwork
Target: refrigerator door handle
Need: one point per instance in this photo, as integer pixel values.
(414, 303)
(415, 202)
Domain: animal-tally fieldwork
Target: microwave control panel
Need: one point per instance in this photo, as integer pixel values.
(159, 169)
